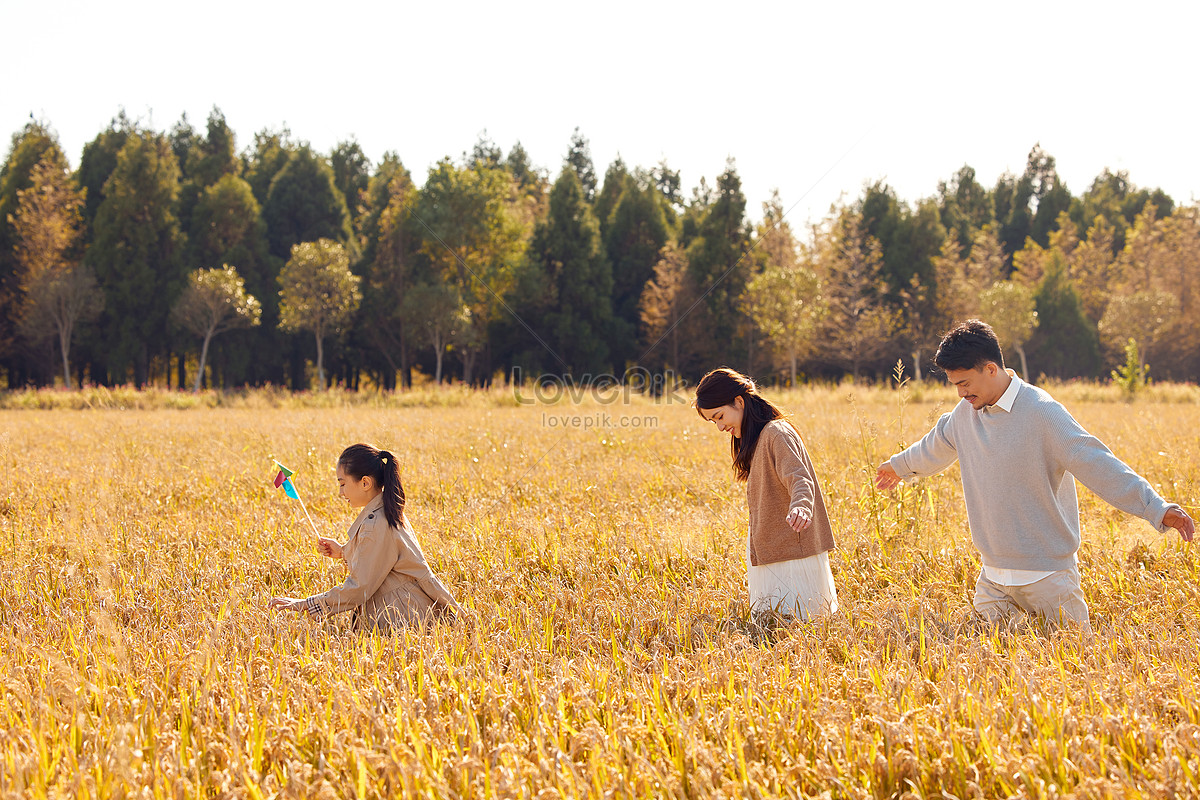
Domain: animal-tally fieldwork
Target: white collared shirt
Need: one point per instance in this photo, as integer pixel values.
(1000, 575)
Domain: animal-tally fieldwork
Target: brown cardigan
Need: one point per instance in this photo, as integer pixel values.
(782, 477)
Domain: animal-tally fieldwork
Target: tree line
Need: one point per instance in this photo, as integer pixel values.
(173, 258)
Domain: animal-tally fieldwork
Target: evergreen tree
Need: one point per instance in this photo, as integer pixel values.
(97, 163)
(909, 240)
(1065, 344)
(1113, 197)
(136, 253)
(635, 234)
(720, 268)
(264, 160)
(965, 206)
(202, 160)
(579, 158)
(485, 154)
(530, 181)
(304, 205)
(566, 250)
(351, 175)
(610, 193)
(214, 156)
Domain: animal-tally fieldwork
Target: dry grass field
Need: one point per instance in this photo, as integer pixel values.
(610, 650)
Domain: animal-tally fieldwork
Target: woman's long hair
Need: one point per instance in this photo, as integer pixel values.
(362, 460)
(720, 388)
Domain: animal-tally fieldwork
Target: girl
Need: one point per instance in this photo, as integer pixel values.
(389, 585)
(790, 538)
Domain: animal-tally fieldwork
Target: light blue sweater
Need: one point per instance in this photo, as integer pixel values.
(1018, 477)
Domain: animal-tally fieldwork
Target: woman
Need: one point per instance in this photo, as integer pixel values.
(790, 537)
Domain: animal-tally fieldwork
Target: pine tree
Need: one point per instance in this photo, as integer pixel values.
(579, 158)
(719, 265)
(635, 234)
(566, 250)
(304, 205)
(1066, 343)
(136, 253)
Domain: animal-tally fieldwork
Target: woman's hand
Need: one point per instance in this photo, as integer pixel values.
(288, 603)
(329, 548)
(799, 519)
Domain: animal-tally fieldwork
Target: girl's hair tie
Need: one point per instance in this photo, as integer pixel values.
(383, 460)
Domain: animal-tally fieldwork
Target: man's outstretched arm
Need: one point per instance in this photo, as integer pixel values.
(931, 455)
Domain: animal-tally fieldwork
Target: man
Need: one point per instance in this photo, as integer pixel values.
(1020, 452)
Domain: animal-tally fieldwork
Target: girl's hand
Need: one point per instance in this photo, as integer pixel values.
(288, 603)
(799, 519)
(329, 548)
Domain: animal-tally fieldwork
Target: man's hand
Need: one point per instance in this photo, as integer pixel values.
(886, 477)
(1180, 521)
(329, 548)
(798, 518)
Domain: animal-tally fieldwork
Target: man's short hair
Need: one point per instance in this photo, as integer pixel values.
(969, 345)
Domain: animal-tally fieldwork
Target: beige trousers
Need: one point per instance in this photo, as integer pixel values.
(1057, 597)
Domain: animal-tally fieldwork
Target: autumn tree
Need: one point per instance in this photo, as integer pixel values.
(1011, 311)
(29, 146)
(393, 240)
(859, 326)
(319, 293)
(436, 314)
(59, 292)
(786, 305)
(784, 298)
(215, 301)
(473, 233)
(665, 300)
(1142, 317)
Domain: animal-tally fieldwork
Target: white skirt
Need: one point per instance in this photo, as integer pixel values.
(802, 587)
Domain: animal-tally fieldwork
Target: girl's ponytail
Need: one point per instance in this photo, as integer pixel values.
(361, 460)
(393, 491)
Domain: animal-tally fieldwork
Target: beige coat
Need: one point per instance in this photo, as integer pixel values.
(782, 477)
(390, 584)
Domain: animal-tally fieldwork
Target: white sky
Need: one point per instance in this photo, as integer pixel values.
(902, 91)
